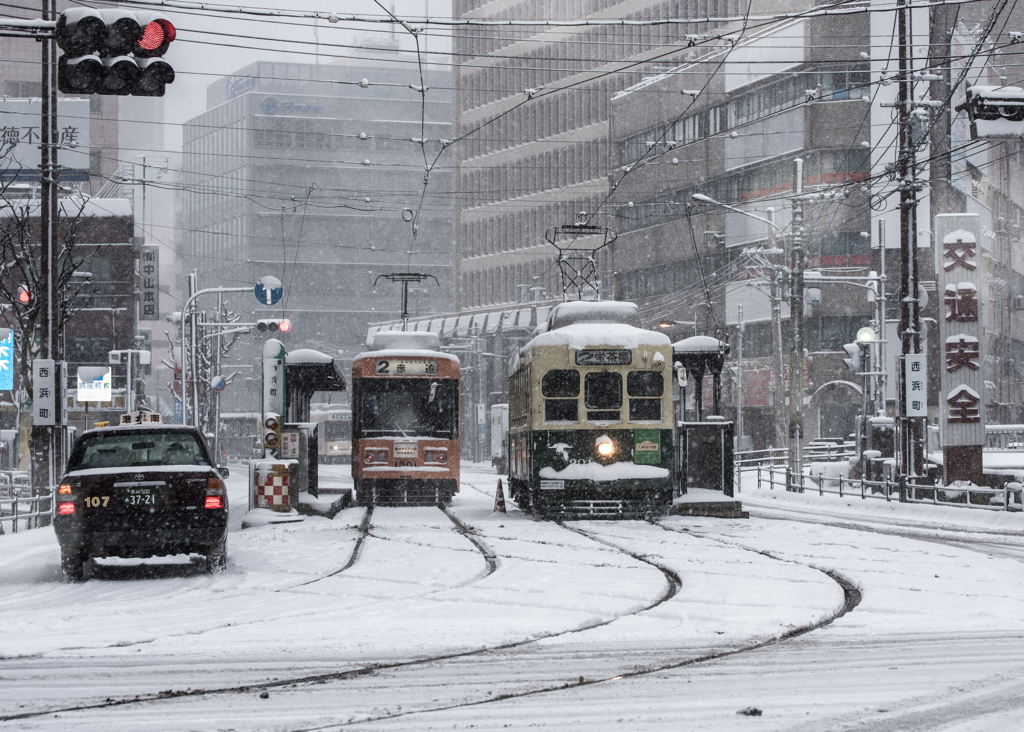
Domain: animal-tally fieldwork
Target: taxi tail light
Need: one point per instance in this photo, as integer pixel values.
(64, 489)
(65, 509)
(214, 494)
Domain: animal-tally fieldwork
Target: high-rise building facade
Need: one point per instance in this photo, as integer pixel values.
(317, 175)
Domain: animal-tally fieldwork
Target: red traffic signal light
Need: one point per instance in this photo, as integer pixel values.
(114, 51)
(274, 325)
(25, 296)
(155, 36)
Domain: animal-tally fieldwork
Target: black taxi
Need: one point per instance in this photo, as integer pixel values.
(141, 491)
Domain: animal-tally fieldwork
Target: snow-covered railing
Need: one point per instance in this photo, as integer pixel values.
(1007, 498)
(26, 512)
(830, 452)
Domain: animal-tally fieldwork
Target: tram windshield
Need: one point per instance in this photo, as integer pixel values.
(408, 407)
(337, 429)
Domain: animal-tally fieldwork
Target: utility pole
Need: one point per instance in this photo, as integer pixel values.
(739, 377)
(796, 317)
(910, 315)
(44, 466)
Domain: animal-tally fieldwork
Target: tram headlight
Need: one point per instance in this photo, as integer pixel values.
(605, 447)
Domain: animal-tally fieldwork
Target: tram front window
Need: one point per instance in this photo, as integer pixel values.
(603, 390)
(337, 429)
(409, 407)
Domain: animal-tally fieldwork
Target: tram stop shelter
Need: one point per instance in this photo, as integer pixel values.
(307, 372)
(704, 451)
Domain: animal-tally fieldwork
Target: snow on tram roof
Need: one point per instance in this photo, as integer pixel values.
(595, 335)
(603, 311)
(405, 340)
(411, 353)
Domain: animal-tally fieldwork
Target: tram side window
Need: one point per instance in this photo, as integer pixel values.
(645, 384)
(564, 385)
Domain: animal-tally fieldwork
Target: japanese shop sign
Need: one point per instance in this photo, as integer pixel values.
(20, 137)
(962, 385)
(149, 282)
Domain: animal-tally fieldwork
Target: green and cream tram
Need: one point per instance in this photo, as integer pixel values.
(590, 416)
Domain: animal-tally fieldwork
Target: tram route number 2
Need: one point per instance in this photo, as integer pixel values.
(405, 366)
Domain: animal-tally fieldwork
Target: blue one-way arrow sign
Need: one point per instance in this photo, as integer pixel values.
(268, 290)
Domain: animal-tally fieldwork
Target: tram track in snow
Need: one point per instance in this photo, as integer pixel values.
(673, 586)
(851, 595)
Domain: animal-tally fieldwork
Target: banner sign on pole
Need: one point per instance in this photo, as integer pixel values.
(915, 385)
(43, 399)
(6, 360)
(958, 264)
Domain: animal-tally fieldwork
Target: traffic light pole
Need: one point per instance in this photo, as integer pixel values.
(44, 449)
(188, 354)
(796, 317)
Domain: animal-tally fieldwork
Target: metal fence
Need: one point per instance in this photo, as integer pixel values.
(20, 513)
(771, 476)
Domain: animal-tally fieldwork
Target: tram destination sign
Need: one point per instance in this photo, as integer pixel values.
(405, 366)
(604, 357)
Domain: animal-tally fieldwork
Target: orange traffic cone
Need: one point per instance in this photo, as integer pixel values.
(499, 499)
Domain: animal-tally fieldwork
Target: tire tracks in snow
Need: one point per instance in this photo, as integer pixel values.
(673, 585)
(976, 540)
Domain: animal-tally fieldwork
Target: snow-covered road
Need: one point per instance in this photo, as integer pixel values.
(595, 625)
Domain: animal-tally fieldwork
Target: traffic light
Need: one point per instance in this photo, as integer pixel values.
(271, 432)
(274, 325)
(113, 51)
(852, 359)
(25, 298)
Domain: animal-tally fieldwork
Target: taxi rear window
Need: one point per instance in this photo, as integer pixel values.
(136, 449)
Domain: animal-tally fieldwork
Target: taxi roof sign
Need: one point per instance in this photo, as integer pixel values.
(140, 417)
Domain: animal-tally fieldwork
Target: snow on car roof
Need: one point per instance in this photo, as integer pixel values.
(148, 426)
(595, 335)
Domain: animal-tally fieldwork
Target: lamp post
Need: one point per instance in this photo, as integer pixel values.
(776, 298)
(865, 337)
(665, 324)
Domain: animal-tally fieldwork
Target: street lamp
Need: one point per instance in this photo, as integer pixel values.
(865, 337)
(665, 324)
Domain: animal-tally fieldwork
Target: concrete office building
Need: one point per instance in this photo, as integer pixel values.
(315, 174)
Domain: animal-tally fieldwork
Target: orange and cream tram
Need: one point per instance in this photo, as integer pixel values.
(405, 422)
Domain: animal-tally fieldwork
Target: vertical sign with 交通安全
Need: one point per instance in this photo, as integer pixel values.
(43, 388)
(915, 385)
(149, 282)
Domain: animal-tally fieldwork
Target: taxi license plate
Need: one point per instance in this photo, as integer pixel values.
(140, 496)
